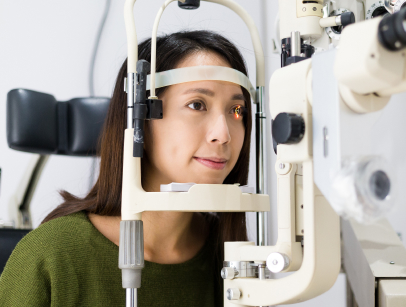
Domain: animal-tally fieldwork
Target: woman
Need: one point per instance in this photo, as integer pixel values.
(204, 137)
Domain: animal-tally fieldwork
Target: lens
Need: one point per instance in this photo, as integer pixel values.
(379, 183)
(380, 11)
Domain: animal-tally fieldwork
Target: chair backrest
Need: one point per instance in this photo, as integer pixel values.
(8, 240)
(38, 123)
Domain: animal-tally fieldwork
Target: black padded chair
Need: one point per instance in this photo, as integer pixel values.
(38, 123)
(9, 237)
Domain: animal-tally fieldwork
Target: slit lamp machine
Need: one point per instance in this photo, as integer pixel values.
(338, 71)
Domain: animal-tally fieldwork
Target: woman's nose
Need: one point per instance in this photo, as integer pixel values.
(219, 132)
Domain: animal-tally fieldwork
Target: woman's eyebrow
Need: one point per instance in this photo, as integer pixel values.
(203, 91)
(210, 93)
(238, 97)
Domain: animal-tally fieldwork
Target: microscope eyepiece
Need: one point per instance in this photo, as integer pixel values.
(392, 31)
(189, 4)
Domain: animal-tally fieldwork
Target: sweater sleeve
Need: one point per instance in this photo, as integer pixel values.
(25, 280)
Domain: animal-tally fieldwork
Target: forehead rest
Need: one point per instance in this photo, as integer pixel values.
(201, 73)
(38, 123)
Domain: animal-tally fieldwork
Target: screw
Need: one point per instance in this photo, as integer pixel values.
(304, 9)
(302, 231)
(281, 166)
(392, 262)
(314, 9)
(301, 206)
(275, 262)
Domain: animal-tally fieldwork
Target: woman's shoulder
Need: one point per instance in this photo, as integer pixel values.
(65, 250)
(66, 233)
(60, 229)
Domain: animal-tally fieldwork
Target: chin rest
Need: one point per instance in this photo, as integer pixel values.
(38, 123)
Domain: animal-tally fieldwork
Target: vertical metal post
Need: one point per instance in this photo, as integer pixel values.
(131, 297)
(261, 271)
(129, 87)
(295, 44)
(260, 126)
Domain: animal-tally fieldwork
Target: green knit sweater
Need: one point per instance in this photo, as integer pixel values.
(68, 262)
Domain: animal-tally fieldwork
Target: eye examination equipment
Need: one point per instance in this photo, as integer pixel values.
(321, 169)
(134, 198)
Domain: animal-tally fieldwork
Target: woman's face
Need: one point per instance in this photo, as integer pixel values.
(201, 134)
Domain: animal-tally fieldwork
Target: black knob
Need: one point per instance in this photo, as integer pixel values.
(189, 4)
(288, 128)
(347, 18)
(392, 32)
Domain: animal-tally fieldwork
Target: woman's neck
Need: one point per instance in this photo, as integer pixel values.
(173, 237)
(169, 237)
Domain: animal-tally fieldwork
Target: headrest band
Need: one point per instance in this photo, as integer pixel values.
(202, 73)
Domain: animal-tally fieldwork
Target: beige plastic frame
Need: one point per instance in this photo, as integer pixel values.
(317, 271)
(201, 197)
(367, 73)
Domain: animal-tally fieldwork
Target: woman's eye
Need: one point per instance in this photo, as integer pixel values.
(238, 112)
(197, 105)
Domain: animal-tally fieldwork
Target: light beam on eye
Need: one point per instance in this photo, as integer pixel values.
(237, 112)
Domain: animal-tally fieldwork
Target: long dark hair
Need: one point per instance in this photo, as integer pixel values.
(105, 196)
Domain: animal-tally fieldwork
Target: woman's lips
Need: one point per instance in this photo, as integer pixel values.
(217, 165)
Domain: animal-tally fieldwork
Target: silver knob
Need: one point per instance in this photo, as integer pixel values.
(228, 273)
(233, 294)
(277, 262)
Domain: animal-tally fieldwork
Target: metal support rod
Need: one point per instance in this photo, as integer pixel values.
(130, 89)
(295, 43)
(261, 271)
(131, 297)
(260, 126)
(36, 167)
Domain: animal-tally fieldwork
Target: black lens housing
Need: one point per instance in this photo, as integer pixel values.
(391, 32)
(189, 4)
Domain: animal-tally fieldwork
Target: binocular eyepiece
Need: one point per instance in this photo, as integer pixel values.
(392, 31)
